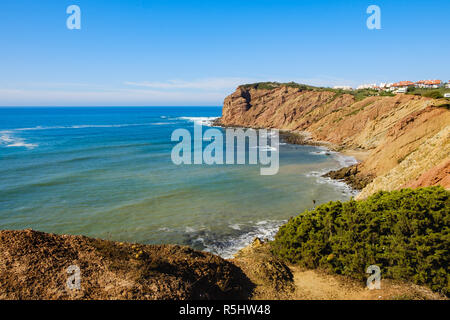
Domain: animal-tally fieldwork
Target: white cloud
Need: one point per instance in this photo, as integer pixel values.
(207, 91)
(24, 97)
(201, 84)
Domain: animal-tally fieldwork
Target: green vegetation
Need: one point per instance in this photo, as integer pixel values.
(358, 94)
(430, 93)
(361, 94)
(274, 85)
(434, 94)
(405, 233)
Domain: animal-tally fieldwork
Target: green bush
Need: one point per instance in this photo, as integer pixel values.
(273, 85)
(433, 94)
(405, 233)
(430, 93)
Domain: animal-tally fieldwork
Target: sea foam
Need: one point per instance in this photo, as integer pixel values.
(9, 140)
(204, 121)
(227, 248)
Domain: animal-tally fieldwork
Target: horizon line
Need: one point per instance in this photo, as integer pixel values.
(112, 106)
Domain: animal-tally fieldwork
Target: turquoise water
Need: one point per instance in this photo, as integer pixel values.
(107, 173)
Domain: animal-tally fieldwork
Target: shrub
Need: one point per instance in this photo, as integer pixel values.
(273, 85)
(405, 233)
(433, 94)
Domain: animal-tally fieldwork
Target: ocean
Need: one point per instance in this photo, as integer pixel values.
(108, 173)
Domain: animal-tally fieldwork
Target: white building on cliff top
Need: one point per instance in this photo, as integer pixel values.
(343, 88)
(429, 84)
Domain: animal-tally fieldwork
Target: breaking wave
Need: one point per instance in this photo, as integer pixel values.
(204, 121)
(7, 139)
(240, 236)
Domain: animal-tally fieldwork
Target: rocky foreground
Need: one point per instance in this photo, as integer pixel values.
(405, 139)
(34, 265)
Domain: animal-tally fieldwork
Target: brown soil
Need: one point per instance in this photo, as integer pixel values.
(272, 278)
(33, 265)
(438, 175)
(318, 285)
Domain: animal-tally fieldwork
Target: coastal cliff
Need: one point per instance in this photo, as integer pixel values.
(402, 140)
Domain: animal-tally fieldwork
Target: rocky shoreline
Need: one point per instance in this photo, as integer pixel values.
(350, 175)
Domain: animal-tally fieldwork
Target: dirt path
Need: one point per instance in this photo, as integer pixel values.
(316, 285)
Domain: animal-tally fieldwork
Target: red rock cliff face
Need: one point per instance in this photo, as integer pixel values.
(391, 130)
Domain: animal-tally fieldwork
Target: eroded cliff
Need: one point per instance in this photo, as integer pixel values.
(406, 138)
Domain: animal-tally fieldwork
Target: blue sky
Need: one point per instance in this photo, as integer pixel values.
(143, 52)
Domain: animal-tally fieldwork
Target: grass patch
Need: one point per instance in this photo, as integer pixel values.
(274, 85)
(361, 94)
(429, 93)
(358, 94)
